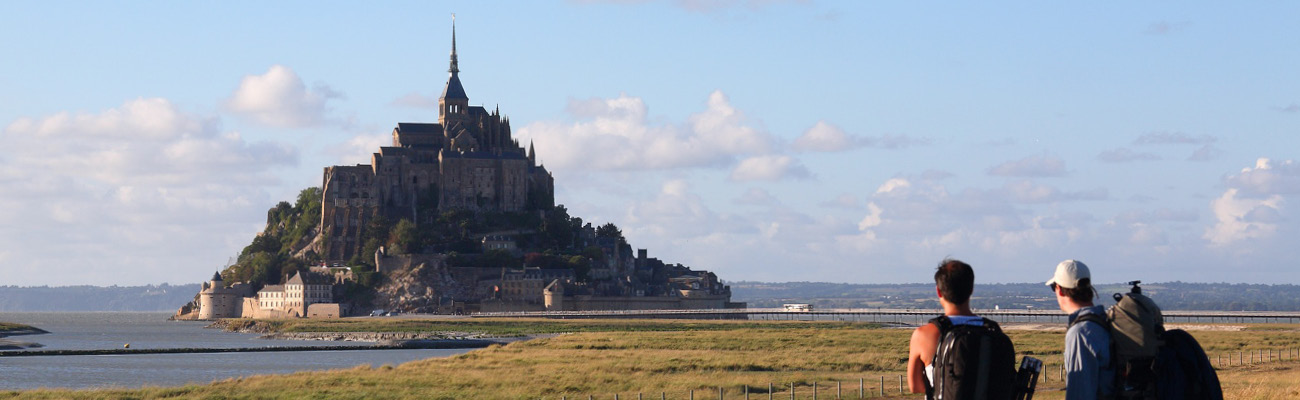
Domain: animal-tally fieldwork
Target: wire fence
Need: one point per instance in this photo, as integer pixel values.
(896, 384)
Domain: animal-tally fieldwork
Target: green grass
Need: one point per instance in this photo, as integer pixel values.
(605, 357)
(11, 327)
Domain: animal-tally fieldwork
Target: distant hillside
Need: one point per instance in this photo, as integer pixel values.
(162, 297)
(1169, 295)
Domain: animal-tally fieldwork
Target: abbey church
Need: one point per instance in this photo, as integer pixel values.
(467, 160)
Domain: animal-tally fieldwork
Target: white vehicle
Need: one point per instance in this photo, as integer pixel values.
(799, 307)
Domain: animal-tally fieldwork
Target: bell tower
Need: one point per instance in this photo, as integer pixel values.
(454, 104)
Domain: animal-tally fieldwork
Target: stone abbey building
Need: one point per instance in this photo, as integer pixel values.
(467, 160)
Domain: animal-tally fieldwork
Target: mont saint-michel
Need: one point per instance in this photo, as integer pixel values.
(455, 216)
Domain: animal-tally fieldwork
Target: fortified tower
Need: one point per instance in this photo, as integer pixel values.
(218, 301)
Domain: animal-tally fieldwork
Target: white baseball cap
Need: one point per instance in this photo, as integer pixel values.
(1068, 274)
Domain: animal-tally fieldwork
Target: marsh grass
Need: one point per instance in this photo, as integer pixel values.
(605, 357)
(10, 327)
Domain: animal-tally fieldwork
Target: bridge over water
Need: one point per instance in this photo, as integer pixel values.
(898, 316)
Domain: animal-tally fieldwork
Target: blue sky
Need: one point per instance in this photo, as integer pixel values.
(764, 140)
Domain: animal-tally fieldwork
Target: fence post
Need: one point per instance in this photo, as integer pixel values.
(692, 394)
(839, 390)
(769, 391)
(791, 390)
(861, 388)
(719, 393)
(882, 386)
(746, 392)
(900, 384)
(814, 390)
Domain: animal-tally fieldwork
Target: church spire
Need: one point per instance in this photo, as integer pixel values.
(454, 68)
(454, 104)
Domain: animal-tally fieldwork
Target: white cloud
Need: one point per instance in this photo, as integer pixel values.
(279, 98)
(1173, 138)
(1268, 178)
(616, 134)
(872, 219)
(416, 100)
(1120, 155)
(769, 168)
(678, 212)
(135, 193)
(1253, 205)
(1030, 167)
(1026, 191)
(827, 137)
(824, 137)
(757, 197)
(1206, 153)
(1156, 216)
(360, 148)
(845, 201)
(1232, 225)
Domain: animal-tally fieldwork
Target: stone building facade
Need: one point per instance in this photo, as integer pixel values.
(296, 295)
(467, 160)
(303, 295)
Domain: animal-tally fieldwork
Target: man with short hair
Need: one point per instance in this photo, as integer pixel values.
(1088, 373)
(954, 281)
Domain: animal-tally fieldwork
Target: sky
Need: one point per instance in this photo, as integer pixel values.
(764, 140)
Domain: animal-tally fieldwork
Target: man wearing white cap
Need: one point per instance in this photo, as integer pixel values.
(1087, 343)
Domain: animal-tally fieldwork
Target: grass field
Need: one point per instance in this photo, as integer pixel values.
(9, 326)
(626, 357)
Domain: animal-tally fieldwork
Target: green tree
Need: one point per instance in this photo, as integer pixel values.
(404, 238)
(375, 235)
(497, 258)
(609, 230)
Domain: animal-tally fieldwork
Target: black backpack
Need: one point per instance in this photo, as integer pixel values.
(972, 362)
(1183, 371)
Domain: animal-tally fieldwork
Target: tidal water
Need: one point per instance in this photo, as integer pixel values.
(112, 330)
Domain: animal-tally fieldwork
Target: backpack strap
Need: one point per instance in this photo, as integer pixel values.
(1098, 319)
(992, 325)
(943, 322)
(1104, 322)
(945, 325)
